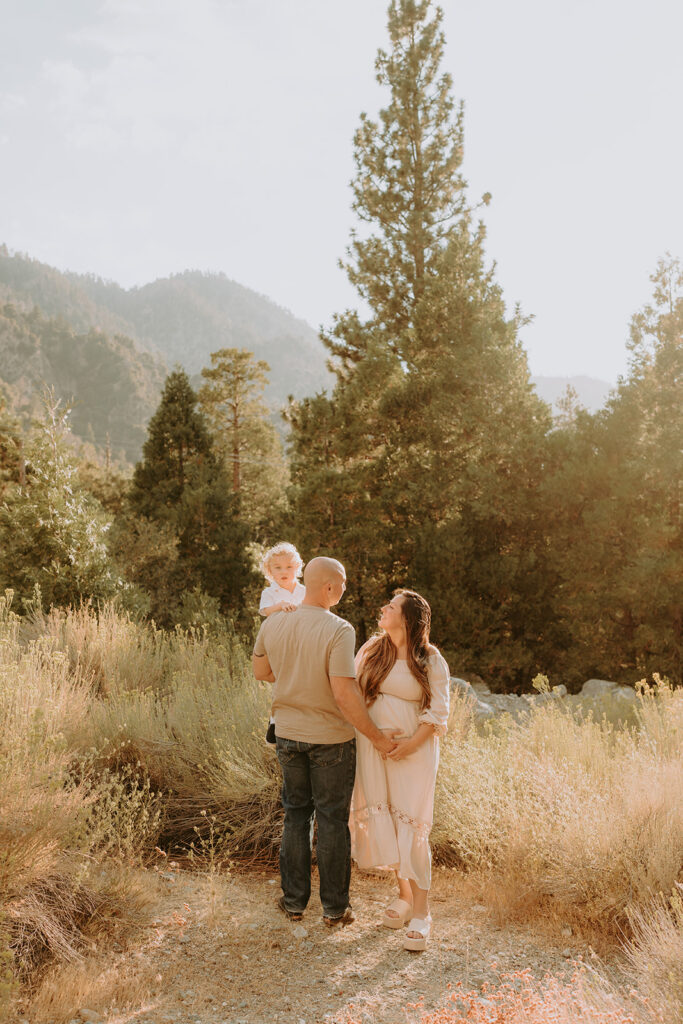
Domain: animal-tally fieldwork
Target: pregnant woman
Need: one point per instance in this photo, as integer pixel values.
(405, 682)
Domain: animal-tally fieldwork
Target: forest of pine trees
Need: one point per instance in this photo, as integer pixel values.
(543, 544)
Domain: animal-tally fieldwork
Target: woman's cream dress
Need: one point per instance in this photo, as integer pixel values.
(393, 801)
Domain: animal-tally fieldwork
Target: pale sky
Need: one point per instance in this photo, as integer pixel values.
(143, 137)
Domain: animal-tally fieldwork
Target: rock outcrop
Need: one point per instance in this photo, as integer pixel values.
(601, 696)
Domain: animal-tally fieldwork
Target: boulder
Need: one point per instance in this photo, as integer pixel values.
(470, 682)
(516, 705)
(625, 693)
(597, 687)
(462, 686)
(483, 712)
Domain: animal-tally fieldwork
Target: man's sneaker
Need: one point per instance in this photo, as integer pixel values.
(348, 917)
(293, 915)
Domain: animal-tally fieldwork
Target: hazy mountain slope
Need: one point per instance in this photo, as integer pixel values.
(184, 318)
(112, 386)
(188, 316)
(27, 283)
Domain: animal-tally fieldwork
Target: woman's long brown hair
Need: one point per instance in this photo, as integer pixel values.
(380, 654)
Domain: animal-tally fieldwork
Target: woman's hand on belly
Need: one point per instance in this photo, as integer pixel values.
(404, 748)
(408, 746)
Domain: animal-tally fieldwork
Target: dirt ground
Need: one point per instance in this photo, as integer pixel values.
(218, 951)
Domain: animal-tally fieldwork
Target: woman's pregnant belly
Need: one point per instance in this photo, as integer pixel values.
(392, 713)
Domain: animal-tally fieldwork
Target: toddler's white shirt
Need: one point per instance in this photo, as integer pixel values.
(275, 593)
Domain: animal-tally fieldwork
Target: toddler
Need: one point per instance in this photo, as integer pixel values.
(281, 564)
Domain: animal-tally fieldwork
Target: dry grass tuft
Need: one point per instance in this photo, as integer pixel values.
(200, 743)
(566, 811)
(93, 983)
(58, 828)
(655, 954)
(58, 918)
(106, 647)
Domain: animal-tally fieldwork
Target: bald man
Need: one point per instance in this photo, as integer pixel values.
(308, 653)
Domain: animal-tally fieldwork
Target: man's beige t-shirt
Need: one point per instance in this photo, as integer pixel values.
(304, 648)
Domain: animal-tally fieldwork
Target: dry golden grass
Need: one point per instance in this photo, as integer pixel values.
(180, 709)
(57, 883)
(655, 953)
(108, 649)
(200, 742)
(115, 737)
(89, 984)
(568, 811)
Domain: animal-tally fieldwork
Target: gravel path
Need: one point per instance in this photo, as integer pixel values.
(219, 952)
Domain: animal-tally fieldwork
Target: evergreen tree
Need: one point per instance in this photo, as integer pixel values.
(615, 487)
(433, 416)
(481, 433)
(12, 456)
(107, 483)
(407, 185)
(181, 483)
(245, 438)
(52, 533)
(146, 551)
(652, 396)
(177, 444)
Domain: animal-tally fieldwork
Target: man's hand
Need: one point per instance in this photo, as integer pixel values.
(386, 744)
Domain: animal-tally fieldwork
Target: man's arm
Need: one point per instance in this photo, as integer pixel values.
(261, 667)
(350, 702)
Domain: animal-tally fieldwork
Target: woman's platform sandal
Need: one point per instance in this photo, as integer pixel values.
(417, 934)
(402, 909)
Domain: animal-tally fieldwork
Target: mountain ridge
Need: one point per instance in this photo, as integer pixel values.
(183, 318)
(109, 347)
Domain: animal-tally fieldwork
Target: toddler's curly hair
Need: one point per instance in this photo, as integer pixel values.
(281, 549)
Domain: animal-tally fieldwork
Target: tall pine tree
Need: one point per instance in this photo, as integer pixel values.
(407, 186)
(433, 414)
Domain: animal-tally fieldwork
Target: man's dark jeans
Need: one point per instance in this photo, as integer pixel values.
(317, 777)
